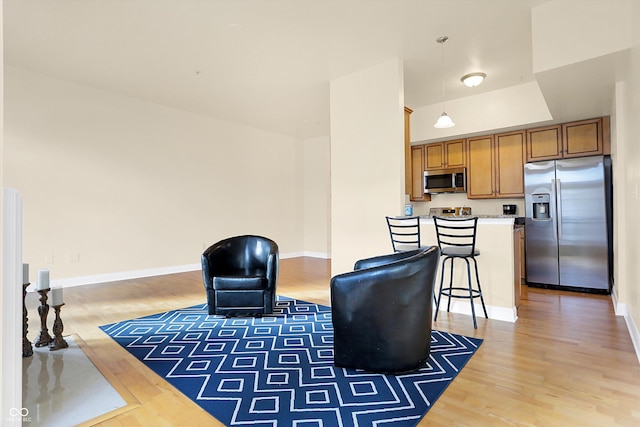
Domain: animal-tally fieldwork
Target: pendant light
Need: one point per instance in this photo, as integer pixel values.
(444, 121)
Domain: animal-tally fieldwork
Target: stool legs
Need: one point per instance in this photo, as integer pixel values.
(473, 307)
(435, 317)
(472, 293)
(479, 288)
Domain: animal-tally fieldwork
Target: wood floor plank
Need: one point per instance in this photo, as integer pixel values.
(567, 361)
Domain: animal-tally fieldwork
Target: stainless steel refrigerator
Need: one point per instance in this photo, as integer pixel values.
(568, 224)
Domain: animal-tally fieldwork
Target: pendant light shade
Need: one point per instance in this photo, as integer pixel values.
(444, 121)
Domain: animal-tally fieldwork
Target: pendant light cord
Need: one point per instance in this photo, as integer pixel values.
(441, 40)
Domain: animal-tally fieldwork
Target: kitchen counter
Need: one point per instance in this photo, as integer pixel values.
(495, 242)
(513, 217)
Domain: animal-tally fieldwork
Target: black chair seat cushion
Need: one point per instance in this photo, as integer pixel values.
(239, 283)
(459, 251)
(247, 300)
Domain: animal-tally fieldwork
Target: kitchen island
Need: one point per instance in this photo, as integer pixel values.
(495, 241)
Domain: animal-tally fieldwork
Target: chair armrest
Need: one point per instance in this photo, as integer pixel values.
(382, 269)
(207, 275)
(272, 268)
(386, 259)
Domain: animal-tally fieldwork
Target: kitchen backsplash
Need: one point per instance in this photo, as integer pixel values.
(478, 207)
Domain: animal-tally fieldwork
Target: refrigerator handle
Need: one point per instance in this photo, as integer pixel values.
(553, 214)
(559, 208)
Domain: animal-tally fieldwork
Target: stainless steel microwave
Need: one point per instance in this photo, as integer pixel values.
(452, 180)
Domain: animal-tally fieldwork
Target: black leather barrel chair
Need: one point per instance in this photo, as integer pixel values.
(382, 312)
(240, 275)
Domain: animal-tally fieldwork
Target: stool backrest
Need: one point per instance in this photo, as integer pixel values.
(459, 232)
(404, 232)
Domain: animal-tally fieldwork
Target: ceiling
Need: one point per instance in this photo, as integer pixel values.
(268, 63)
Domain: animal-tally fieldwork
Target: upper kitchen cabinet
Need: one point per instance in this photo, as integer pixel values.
(575, 139)
(585, 138)
(495, 166)
(447, 154)
(510, 160)
(544, 143)
(417, 175)
(413, 164)
(480, 168)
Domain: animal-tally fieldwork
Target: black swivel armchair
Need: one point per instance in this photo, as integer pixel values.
(240, 275)
(382, 312)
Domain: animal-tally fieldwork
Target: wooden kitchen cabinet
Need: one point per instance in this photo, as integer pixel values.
(433, 156)
(510, 160)
(523, 256)
(480, 168)
(518, 263)
(446, 154)
(544, 143)
(413, 165)
(575, 139)
(495, 166)
(417, 175)
(584, 138)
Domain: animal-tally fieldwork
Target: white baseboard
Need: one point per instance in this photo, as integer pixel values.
(618, 308)
(137, 274)
(322, 255)
(496, 313)
(634, 333)
(621, 310)
(123, 275)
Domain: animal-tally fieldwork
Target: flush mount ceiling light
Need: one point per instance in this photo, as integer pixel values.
(473, 79)
(444, 121)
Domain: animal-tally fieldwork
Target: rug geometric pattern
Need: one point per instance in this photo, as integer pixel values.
(278, 370)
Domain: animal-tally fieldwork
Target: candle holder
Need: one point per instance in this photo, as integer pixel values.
(58, 341)
(43, 338)
(27, 349)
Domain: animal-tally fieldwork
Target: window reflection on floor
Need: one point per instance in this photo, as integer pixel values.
(64, 388)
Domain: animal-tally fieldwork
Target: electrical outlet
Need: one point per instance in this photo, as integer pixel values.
(48, 259)
(74, 257)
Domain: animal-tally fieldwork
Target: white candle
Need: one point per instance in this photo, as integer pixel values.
(56, 297)
(25, 273)
(43, 279)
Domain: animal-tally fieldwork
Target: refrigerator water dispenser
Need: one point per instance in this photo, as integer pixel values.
(541, 206)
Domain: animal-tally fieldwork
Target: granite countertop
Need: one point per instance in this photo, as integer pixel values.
(470, 216)
(517, 220)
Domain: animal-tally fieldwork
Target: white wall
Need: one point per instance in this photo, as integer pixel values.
(367, 161)
(316, 194)
(628, 175)
(3, 330)
(114, 184)
(10, 350)
(11, 314)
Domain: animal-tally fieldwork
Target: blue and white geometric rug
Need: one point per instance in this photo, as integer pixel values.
(278, 370)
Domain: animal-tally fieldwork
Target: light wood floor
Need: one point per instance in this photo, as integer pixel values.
(567, 361)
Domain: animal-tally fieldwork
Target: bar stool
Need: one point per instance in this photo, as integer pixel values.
(457, 240)
(404, 232)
